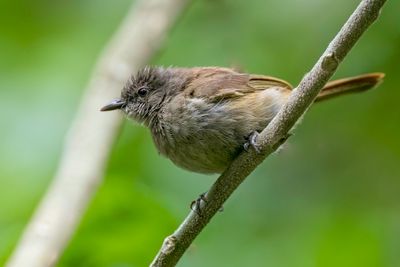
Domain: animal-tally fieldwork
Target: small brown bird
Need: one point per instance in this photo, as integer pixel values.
(200, 118)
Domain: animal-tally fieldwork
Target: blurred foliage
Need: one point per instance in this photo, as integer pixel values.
(330, 198)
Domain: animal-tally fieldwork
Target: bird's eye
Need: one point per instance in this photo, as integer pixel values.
(142, 91)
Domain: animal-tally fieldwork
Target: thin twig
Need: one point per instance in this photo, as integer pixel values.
(91, 136)
(273, 135)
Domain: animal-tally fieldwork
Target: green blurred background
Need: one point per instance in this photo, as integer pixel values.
(330, 198)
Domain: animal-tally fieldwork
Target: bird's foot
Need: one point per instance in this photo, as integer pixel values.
(252, 142)
(196, 205)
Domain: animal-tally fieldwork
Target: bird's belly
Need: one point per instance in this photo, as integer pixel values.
(203, 156)
(205, 137)
(205, 144)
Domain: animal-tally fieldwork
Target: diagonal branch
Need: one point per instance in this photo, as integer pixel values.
(91, 136)
(273, 135)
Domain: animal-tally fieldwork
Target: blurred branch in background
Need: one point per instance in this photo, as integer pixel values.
(273, 135)
(92, 134)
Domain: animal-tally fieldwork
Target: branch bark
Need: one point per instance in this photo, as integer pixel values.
(273, 135)
(92, 133)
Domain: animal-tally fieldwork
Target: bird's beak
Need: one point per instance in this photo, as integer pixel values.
(115, 104)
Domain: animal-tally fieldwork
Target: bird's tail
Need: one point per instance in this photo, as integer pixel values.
(350, 85)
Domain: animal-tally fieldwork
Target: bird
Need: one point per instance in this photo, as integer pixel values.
(201, 118)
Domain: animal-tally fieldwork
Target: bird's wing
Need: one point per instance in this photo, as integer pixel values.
(217, 84)
(261, 82)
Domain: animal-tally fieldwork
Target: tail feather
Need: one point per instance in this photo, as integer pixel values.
(350, 85)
